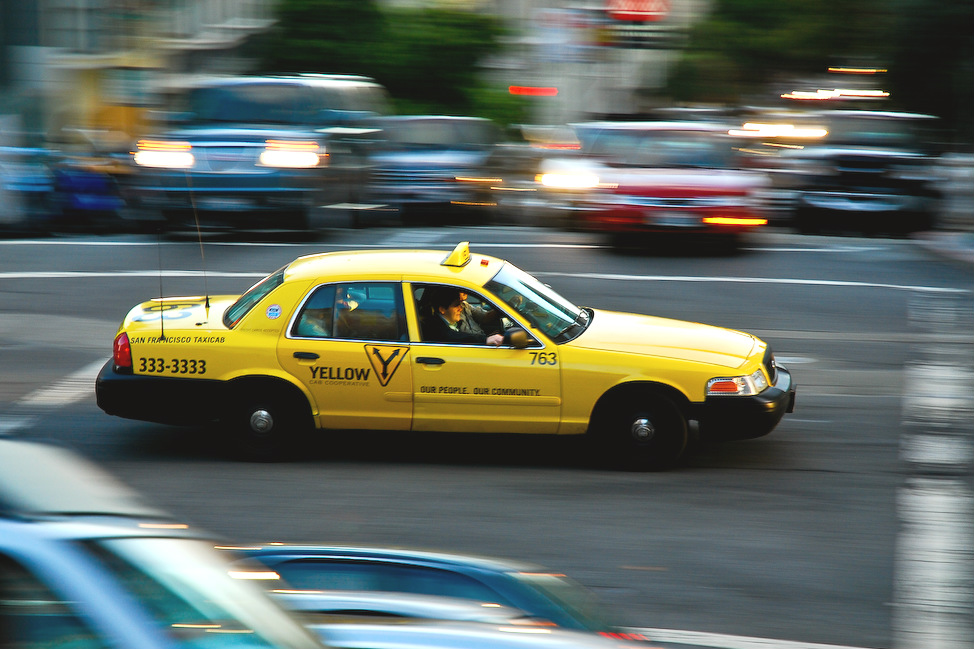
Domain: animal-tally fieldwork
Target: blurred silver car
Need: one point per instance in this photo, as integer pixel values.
(85, 563)
(325, 605)
(540, 594)
(456, 635)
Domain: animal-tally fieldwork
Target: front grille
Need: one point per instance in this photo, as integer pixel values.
(770, 366)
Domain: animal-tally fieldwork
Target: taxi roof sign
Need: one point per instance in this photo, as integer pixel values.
(459, 257)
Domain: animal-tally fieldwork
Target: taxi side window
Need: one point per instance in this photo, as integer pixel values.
(33, 616)
(353, 311)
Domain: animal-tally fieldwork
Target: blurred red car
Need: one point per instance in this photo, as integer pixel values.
(654, 179)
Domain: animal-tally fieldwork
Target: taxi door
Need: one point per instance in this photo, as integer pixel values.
(485, 389)
(348, 345)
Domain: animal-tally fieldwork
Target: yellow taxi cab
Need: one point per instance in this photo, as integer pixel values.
(353, 341)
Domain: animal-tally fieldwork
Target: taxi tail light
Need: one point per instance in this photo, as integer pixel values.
(122, 352)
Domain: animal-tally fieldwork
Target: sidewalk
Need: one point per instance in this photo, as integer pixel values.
(957, 247)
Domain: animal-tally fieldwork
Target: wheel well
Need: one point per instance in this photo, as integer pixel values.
(246, 386)
(628, 392)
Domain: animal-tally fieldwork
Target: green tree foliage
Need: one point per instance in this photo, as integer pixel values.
(932, 62)
(333, 36)
(428, 58)
(743, 47)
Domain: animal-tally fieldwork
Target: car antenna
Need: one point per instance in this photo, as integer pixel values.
(162, 312)
(199, 238)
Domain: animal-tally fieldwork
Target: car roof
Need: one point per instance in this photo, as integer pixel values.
(39, 480)
(697, 126)
(391, 553)
(330, 80)
(423, 265)
(426, 118)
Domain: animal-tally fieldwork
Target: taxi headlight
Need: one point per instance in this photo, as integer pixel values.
(569, 180)
(738, 385)
(164, 155)
(291, 154)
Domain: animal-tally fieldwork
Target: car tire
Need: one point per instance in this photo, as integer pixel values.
(266, 422)
(649, 434)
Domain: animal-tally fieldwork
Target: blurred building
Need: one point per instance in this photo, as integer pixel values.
(594, 58)
(88, 69)
(91, 69)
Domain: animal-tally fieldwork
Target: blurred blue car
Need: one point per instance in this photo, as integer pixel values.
(84, 563)
(539, 593)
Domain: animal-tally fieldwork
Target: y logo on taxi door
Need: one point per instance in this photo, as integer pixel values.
(385, 360)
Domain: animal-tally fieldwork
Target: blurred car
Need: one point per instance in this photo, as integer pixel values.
(541, 596)
(519, 193)
(872, 173)
(260, 153)
(87, 192)
(85, 563)
(433, 162)
(336, 341)
(26, 190)
(328, 605)
(456, 635)
(650, 180)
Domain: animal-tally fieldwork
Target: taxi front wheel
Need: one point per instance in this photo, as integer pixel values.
(651, 435)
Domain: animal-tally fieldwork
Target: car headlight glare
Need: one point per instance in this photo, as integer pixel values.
(164, 155)
(738, 385)
(569, 180)
(291, 155)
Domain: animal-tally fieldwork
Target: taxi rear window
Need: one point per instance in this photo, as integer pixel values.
(248, 300)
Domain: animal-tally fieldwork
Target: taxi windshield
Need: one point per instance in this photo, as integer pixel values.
(255, 294)
(547, 311)
(193, 596)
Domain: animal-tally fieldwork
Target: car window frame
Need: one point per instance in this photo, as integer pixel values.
(399, 314)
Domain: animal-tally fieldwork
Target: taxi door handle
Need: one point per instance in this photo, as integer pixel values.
(306, 356)
(429, 360)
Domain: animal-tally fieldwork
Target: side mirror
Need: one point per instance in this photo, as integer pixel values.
(519, 338)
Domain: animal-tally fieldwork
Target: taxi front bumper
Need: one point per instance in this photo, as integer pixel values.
(728, 418)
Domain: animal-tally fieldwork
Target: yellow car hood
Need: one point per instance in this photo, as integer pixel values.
(665, 338)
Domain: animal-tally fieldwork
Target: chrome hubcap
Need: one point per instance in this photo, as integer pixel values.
(261, 421)
(642, 430)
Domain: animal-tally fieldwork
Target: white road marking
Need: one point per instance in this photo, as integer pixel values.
(55, 274)
(74, 387)
(596, 276)
(722, 641)
(750, 280)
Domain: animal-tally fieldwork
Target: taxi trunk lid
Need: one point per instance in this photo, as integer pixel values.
(171, 314)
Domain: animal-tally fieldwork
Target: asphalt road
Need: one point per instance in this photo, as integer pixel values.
(817, 533)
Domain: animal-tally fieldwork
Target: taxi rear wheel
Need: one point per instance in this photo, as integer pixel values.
(265, 423)
(651, 434)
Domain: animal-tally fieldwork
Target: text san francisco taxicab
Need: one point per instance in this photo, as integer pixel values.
(422, 340)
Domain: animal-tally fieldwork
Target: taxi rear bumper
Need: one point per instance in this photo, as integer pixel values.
(159, 399)
(727, 418)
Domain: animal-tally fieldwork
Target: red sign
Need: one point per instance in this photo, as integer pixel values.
(638, 10)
